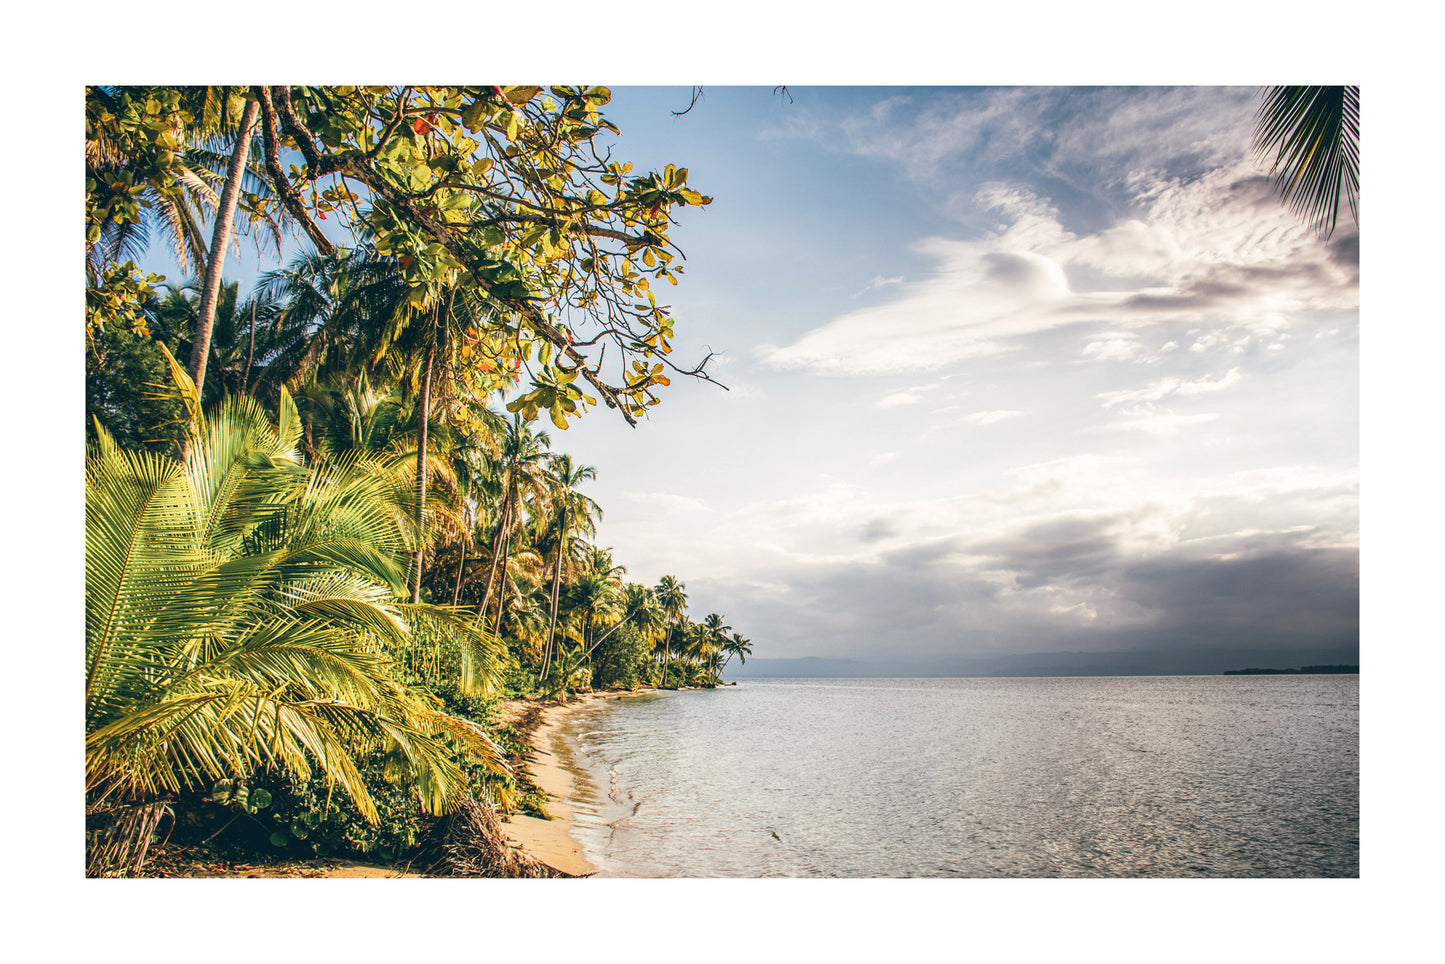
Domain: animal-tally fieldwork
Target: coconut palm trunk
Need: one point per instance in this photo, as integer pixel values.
(461, 566)
(556, 588)
(438, 343)
(502, 588)
(220, 238)
(502, 525)
(421, 484)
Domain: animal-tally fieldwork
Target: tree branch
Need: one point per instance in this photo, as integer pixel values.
(290, 196)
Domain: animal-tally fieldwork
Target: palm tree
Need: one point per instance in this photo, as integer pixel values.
(1312, 137)
(697, 642)
(714, 634)
(737, 645)
(521, 478)
(175, 197)
(673, 599)
(220, 238)
(240, 614)
(573, 514)
(244, 335)
(596, 593)
(638, 606)
(643, 611)
(344, 305)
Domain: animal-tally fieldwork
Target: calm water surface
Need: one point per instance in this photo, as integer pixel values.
(1042, 777)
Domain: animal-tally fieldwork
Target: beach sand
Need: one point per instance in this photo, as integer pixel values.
(557, 774)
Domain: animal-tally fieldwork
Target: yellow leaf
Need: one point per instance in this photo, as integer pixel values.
(520, 95)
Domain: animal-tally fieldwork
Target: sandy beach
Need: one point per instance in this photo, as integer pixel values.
(552, 771)
(555, 772)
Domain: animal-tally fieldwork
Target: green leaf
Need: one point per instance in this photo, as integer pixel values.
(279, 839)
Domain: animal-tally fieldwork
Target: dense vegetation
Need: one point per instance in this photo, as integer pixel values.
(319, 554)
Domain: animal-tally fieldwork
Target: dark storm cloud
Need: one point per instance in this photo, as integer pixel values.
(1069, 548)
(1262, 591)
(1280, 593)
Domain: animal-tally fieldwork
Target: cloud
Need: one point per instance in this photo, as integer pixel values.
(1063, 586)
(1216, 251)
(1164, 387)
(668, 502)
(881, 282)
(1054, 132)
(988, 418)
(1160, 425)
(909, 396)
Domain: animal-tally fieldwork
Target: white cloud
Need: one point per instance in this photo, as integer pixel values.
(668, 502)
(1161, 425)
(1164, 387)
(908, 396)
(1217, 251)
(882, 458)
(988, 418)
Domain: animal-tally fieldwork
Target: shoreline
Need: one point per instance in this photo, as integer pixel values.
(554, 770)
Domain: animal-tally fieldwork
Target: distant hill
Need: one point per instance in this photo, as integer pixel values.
(1140, 663)
(1302, 671)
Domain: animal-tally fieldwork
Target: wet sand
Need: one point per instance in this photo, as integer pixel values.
(555, 772)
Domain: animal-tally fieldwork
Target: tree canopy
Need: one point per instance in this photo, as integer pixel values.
(509, 193)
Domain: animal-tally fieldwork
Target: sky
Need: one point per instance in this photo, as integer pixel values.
(1009, 370)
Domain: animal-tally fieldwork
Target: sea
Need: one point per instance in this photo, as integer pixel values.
(1136, 777)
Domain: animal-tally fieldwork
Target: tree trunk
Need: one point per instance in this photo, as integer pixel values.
(556, 585)
(220, 237)
(457, 589)
(502, 524)
(502, 588)
(425, 414)
(250, 353)
(438, 344)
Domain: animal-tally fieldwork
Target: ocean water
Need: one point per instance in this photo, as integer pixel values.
(1038, 777)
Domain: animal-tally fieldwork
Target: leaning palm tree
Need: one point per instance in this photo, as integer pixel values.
(596, 595)
(736, 645)
(1312, 137)
(241, 614)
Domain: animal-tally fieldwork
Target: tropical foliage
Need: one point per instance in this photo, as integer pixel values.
(319, 555)
(1311, 135)
(240, 614)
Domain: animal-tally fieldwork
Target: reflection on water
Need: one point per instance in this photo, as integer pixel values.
(1043, 777)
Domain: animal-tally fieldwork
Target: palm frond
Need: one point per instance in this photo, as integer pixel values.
(1311, 135)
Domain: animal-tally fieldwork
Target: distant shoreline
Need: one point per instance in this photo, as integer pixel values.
(1302, 671)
